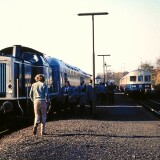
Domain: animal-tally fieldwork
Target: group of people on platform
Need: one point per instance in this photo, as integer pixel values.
(105, 94)
(83, 95)
(71, 96)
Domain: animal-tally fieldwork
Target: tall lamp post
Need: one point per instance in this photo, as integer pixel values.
(93, 14)
(106, 69)
(104, 64)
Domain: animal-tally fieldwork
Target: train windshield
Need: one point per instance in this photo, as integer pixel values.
(140, 78)
(31, 57)
(132, 78)
(7, 52)
(147, 78)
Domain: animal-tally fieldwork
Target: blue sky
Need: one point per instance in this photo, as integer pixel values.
(130, 33)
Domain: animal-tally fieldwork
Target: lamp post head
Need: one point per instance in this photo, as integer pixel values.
(104, 55)
(93, 13)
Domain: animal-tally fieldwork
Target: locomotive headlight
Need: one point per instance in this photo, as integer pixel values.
(10, 88)
(133, 86)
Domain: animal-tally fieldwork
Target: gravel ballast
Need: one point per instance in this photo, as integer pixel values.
(85, 139)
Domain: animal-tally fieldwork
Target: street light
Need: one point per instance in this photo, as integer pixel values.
(107, 70)
(93, 14)
(104, 64)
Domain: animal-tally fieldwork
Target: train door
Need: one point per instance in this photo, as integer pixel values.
(27, 78)
(31, 59)
(18, 80)
(57, 80)
(63, 78)
(23, 80)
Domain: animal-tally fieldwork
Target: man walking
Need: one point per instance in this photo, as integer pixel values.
(39, 96)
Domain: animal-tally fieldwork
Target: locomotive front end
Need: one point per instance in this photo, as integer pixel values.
(6, 84)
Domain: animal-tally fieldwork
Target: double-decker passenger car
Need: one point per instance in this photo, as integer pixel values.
(137, 81)
(61, 72)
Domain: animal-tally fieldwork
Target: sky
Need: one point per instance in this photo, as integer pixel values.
(130, 33)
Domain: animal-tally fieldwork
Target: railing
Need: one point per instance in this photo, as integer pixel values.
(2, 79)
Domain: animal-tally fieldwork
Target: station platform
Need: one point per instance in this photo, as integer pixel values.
(106, 136)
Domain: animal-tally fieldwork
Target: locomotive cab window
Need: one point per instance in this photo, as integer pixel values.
(132, 78)
(31, 57)
(7, 52)
(44, 61)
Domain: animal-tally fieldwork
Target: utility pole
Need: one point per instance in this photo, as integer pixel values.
(104, 65)
(93, 14)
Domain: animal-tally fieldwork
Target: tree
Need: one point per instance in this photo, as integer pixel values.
(147, 66)
(157, 73)
(158, 62)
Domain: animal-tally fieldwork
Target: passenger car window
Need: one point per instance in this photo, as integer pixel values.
(147, 78)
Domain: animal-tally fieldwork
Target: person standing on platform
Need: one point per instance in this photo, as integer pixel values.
(111, 89)
(68, 96)
(39, 96)
(82, 100)
(101, 93)
(89, 91)
(98, 98)
(82, 86)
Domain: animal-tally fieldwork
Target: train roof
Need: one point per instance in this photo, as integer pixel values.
(56, 62)
(140, 71)
(137, 72)
(12, 51)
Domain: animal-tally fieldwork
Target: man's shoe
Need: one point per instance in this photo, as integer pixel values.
(35, 130)
(43, 133)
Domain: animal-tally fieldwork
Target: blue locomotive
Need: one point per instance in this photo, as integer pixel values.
(18, 67)
(136, 82)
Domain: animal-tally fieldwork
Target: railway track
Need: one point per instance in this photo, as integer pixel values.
(152, 104)
(3, 131)
(7, 127)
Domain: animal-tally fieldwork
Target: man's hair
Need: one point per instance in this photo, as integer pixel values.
(67, 82)
(39, 77)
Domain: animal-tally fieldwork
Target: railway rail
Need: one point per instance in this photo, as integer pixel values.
(7, 127)
(151, 104)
